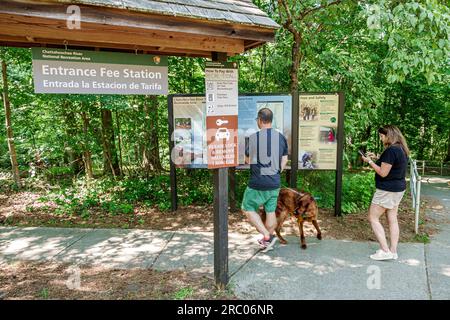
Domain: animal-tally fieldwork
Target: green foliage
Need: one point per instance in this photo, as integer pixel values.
(417, 34)
(357, 191)
(320, 184)
(422, 237)
(389, 57)
(183, 293)
(44, 293)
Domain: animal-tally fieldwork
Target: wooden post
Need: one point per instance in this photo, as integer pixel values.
(173, 171)
(340, 154)
(220, 178)
(294, 139)
(232, 189)
(221, 227)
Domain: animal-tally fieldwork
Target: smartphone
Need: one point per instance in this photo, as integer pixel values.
(361, 153)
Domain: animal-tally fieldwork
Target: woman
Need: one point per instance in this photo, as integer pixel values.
(390, 184)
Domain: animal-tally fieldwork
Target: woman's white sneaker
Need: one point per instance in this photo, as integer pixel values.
(394, 256)
(382, 255)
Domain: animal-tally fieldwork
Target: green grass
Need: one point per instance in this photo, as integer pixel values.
(44, 293)
(424, 238)
(183, 293)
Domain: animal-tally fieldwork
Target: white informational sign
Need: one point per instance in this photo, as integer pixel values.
(221, 81)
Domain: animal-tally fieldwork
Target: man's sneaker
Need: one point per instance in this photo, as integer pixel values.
(270, 243)
(382, 255)
(263, 243)
(394, 256)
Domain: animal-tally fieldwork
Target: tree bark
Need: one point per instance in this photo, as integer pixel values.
(75, 157)
(447, 158)
(110, 160)
(119, 141)
(151, 144)
(87, 156)
(9, 130)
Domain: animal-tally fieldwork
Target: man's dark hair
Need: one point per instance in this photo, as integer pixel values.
(265, 115)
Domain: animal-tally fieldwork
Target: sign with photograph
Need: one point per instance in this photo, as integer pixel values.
(221, 82)
(95, 72)
(194, 108)
(318, 126)
(189, 135)
(280, 105)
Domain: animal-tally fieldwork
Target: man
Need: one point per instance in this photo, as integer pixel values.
(267, 153)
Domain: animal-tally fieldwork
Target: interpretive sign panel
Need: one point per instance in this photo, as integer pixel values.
(318, 128)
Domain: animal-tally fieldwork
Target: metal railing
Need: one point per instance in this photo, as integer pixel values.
(415, 183)
(430, 167)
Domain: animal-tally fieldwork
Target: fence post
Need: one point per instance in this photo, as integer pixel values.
(423, 167)
(416, 227)
(412, 183)
(442, 168)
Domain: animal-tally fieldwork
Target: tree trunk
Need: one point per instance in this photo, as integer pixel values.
(295, 62)
(9, 131)
(151, 144)
(87, 156)
(75, 157)
(119, 140)
(110, 160)
(447, 158)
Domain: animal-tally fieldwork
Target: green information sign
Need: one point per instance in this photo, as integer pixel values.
(94, 72)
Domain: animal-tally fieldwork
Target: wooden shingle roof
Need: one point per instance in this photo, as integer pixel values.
(197, 28)
(234, 11)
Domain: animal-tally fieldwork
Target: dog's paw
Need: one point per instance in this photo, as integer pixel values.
(319, 236)
(283, 241)
(303, 246)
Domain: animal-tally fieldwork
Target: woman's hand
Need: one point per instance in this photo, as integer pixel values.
(372, 155)
(366, 159)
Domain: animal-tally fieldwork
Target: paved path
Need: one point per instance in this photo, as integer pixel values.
(437, 252)
(328, 269)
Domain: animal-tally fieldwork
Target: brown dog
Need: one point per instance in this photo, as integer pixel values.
(300, 204)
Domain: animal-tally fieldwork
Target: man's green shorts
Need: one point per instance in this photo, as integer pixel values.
(253, 199)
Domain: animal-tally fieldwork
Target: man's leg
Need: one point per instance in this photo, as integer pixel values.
(271, 206)
(255, 220)
(271, 222)
(375, 212)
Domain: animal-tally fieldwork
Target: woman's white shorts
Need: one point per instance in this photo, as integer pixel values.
(387, 199)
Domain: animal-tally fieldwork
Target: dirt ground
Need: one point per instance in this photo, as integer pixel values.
(29, 281)
(24, 209)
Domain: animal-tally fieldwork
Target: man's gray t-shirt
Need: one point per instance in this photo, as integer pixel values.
(265, 165)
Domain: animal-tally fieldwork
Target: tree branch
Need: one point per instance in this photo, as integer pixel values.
(311, 10)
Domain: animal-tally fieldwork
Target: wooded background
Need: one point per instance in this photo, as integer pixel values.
(391, 59)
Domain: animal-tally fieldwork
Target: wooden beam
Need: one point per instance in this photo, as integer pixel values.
(113, 35)
(15, 41)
